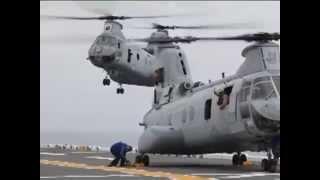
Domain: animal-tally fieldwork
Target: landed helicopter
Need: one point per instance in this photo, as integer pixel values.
(235, 114)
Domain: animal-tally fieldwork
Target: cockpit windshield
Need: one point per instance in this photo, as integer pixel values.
(263, 88)
(106, 40)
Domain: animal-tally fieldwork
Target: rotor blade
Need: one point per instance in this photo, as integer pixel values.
(102, 17)
(212, 26)
(189, 39)
(246, 37)
(69, 17)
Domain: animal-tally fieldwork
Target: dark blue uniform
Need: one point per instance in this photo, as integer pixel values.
(119, 151)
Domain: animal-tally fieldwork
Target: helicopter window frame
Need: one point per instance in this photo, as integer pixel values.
(276, 81)
(183, 67)
(263, 86)
(129, 55)
(245, 91)
(207, 109)
(106, 40)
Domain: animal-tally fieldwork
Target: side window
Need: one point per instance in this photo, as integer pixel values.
(183, 67)
(207, 109)
(129, 55)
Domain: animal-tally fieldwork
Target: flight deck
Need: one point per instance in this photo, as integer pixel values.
(69, 165)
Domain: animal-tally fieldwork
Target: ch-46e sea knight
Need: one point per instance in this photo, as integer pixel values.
(123, 61)
(235, 114)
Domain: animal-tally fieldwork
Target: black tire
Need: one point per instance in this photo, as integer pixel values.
(104, 82)
(265, 165)
(146, 160)
(235, 160)
(243, 158)
(273, 165)
(122, 91)
(118, 91)
(108, 82)
(138, 159)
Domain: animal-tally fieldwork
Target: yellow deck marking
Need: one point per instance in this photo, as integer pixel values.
(132, 171)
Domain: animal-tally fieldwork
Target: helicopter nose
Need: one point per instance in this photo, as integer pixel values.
(100, 55)
(268, 108)
(266, 115)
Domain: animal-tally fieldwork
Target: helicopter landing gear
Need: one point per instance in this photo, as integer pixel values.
(270, 164)
(238, 159)
(144, 159)
(106, 82)
(120, 90)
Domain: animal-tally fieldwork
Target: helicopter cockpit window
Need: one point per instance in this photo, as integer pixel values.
(263, 88)
(106, 40)
(149, 50)
(245, 91)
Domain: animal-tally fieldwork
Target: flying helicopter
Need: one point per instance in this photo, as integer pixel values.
(128, 63)
(237, 113)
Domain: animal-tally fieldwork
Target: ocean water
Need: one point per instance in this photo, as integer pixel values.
(104, 139)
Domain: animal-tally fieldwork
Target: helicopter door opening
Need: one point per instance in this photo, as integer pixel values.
(224, 97)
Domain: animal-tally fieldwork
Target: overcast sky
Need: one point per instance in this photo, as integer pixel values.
(72, 96)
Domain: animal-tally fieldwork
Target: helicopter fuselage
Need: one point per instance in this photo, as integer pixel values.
(125, 63)
(237, 113)
(196, 124)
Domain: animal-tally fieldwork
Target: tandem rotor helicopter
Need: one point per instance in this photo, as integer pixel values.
(238, 113)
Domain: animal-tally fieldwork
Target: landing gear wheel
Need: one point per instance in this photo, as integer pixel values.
(106, 82)
(243, 158)
(239, 159)
(120, 90)
(138, 159)
(273, 165)
(146, 160)
(265, 164)
(270, 164)
(143, 159)
(235, 160)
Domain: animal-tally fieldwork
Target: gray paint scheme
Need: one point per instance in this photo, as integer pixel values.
(178, 126)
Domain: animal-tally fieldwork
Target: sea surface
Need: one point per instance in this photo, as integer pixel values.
(104, 139)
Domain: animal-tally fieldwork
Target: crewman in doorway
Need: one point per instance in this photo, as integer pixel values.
(226, 97)
(119, 151)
